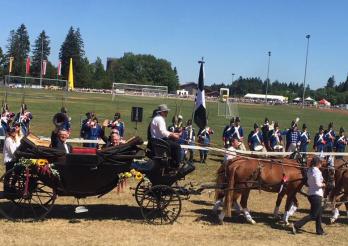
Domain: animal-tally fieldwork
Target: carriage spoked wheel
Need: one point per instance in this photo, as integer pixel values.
(161, 204)
(143, 186)
(18, 203)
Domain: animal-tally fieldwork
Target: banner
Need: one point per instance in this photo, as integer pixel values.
(200, 114)
(27, 66)
(11, 64)
(59, 68)
(44, 65)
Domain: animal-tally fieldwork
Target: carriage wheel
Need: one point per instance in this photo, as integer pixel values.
(16, 205)
(161, 204)
(143, 186)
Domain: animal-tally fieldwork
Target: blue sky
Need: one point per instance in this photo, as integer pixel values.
(233, 36)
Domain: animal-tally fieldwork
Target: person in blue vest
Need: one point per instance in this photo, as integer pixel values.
(255, 140)
(226, 133)
(204, 140)
(238, 133)
(89, 115)
(118, 124)
(275, 138)
(23, 118)
(292, 137)
(93, 132)
(329, 138)
(319, 140)
(305, 139)
(341, 142)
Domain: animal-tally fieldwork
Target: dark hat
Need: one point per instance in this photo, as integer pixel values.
(256, 125)
(341, 129)
(117, 115)
(266, 120)
(189, 122)
(11, 130)
(16, 124)
(330, 125)
(63, 110)
(232, 120)
(276, 124)
(304, 126)
(321, 128)
(90, 115)
(315, 161)
(237, 119)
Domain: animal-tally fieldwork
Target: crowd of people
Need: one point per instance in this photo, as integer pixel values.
(269, 137)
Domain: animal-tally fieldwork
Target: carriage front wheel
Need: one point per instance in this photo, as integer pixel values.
(161, 204)
(143, 186)
(22, 198)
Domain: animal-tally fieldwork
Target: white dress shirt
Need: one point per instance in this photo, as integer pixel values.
(315, 182)
(158, 128)
(10, 147)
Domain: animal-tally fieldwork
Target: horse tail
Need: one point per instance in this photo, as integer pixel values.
(220, 180)
(229, 190)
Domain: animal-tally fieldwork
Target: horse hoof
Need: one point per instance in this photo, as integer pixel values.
(253, 222)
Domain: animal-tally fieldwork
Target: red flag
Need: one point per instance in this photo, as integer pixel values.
(27, 66)
(59, 72)
(44, 65)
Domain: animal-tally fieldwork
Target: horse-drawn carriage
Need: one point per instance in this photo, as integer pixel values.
(40, 174)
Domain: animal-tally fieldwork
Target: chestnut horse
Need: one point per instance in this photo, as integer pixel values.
(243, 174)
(339, 193)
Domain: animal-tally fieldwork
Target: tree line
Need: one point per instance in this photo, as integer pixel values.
(131, 68)
(334, 93)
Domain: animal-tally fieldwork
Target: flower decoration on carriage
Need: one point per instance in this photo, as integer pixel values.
(38, 166)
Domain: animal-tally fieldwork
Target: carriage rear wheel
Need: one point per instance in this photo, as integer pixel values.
(161, 204)
(143, 186)
(24, 204)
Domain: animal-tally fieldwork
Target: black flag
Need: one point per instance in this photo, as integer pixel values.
(200, 114)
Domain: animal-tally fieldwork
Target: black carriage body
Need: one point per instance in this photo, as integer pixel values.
(83, 175)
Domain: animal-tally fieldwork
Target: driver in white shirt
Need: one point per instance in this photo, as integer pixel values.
(158, 130)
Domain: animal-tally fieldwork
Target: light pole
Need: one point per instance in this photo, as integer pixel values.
(41, 61)
(305, 71)
(269, 61)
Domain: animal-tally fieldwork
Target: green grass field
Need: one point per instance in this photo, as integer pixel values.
(44, 104)
(115, 218)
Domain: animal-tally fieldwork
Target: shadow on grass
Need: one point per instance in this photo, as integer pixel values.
(95, 212)
(207, 215)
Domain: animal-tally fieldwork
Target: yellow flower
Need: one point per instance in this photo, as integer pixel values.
(127, 174)
(41, 162)
(133, 171)
(139, 176)
(33, 161)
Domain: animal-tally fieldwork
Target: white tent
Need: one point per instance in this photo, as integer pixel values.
(297, 99)
(269, 97)
(309, 99)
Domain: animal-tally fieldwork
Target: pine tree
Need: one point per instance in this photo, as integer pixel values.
(41, 50)
(73, 47)
(18, 48)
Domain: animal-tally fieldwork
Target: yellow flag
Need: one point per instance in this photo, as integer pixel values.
(11, 62)
(71, 76)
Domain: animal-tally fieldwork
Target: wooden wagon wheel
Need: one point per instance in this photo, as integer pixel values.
(161, 204)
(19, 203)
(143, 186)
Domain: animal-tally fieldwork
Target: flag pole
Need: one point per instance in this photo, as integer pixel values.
(200, 112)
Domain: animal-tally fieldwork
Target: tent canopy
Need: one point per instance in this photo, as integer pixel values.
(297, 99)
(309, 99)
(324, 102)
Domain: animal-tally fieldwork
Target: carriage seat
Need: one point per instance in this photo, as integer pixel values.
(160, 151)
(83, 150)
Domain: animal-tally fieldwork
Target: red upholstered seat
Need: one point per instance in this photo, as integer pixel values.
(82, 150)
